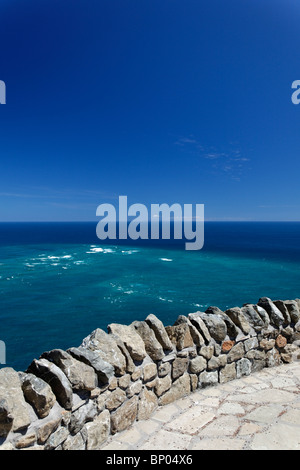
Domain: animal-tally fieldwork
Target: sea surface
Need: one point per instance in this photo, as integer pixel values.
(58, 282)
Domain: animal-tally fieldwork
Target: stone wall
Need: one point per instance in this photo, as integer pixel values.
(74, 399)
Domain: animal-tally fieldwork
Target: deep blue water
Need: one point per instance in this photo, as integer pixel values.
(58, 282)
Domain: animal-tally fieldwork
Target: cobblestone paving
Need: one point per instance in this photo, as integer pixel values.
(258, 412)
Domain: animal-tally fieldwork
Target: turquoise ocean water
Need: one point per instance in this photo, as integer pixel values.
(58, 282)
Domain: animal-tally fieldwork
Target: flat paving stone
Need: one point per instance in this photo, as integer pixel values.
(191, 421)
(257, 412)
(170, 440)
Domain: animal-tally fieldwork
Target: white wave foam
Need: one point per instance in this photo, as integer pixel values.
(129, 252)
(97, 250)
(165, 259)
(165, 300)
(101, 250)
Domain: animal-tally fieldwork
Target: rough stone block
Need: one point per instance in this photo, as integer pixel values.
(124, 416)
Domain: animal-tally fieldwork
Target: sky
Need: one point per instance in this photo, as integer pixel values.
(164, 101)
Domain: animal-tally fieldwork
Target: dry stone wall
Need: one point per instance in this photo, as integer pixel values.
(74, 399)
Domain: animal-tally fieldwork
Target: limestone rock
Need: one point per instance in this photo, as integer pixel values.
(124, 381)
(134, 388)
(215, 324)
(75, 442)
(164, 369)
(198, 364)
(38, 393)
(196, 336)
(124, 416)
(179, 366)
(162, 385)
(227, 373)
(103, 369)
(46, 426)
(288, 331)
(97, 431)
(197, 321)
(14, 412)
(253, 318)
(284, 310)
(237, 352)
(297, 326)
(207, 379)
(6, 418)
(82, 415)
(169, 357)
(150, 372)
(147, 404)
(107, 348)
(251, 343)
(194, 382)
(293, 309)
(232, 329)
(257, 358)
(159, 330)
(273, 358)
(267, 344)
(263, 315)
(25, 441)
(130, 366)
(207, 351)
(57, 380)
(216, 362)
(101, 400)
(57, 438)
(81, 375)
(274, 313)
(7, 446)
(180, 336)
(152, 346)
(113, 383)
(243, 367)
(115, 399)
(137, 374)
(131, 339)
(180, 388)
(237, 316)
(151, 384)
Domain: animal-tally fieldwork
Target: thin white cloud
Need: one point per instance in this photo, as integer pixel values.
(65, 194)
(229, 161)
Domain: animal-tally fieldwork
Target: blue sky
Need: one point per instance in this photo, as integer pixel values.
(161, 100)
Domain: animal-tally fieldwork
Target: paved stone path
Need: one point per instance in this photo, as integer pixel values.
(258, 412)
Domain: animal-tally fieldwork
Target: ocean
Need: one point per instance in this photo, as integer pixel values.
(58, 281)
